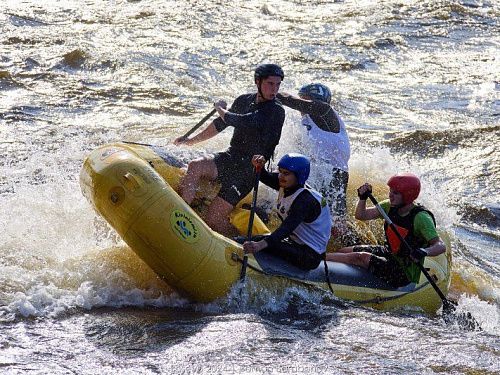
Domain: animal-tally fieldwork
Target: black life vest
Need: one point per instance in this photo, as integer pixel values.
(404, 225)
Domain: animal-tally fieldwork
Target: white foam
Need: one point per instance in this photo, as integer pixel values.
(486, 314)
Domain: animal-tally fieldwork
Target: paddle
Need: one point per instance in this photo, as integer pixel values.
(202, 121)
(250, 220)
(190, 131)
(449, 307)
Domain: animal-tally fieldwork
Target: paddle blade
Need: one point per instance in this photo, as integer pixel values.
(464, 320)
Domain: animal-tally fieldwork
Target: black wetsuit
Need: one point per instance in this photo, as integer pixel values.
(257, 131)
(305, 208)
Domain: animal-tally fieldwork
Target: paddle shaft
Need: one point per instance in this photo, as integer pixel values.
(446, 303)
(191, 131)
(202, 121)
(138, 144)
(250, 220)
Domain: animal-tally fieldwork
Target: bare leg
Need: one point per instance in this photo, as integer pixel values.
(349, 249)
(361, 259)
(197, 169)
(217, 217)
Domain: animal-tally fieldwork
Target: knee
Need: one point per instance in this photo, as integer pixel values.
(202, 167)
(218, 223)
(214, 216)
(364, 259)
(213, 221)
(361, 259)
(195, 166)
(217, 214)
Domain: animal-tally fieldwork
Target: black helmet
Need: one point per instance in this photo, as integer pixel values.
(317, 91)
(266, 70)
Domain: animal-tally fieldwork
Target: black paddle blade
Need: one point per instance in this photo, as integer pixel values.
(464, 320)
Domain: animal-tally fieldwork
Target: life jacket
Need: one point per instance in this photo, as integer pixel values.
(333, 148)
(315, 234)
(404, 225)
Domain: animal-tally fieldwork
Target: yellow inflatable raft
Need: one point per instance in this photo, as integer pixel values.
(134, 188)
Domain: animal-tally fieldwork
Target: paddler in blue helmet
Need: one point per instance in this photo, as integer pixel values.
(257, 120)
(393, 262)
(303, 235)
(329, 143)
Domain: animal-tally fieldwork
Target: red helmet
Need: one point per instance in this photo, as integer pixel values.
(407, 184)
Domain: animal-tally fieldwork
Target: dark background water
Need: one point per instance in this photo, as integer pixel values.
(417, 83)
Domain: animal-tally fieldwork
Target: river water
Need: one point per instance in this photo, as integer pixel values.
(417, 83)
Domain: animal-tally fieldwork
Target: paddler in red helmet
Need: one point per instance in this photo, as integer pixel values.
(392, 262)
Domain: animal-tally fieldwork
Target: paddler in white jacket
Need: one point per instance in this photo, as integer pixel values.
(302, 237)
(329, 144)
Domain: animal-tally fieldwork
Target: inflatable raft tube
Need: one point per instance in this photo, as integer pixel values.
(133, 187)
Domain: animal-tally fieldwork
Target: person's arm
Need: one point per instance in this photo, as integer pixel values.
(424, 227)
(436, 247)
(305, 208)
(207, 133)
(267, 178)
(320, 112)
(363, 213)
(270, 179)
(220, 107)
(214, 128)
(303, 105)
(261, 118)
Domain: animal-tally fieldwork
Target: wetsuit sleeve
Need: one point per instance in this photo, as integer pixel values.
(220, 125)
(261, 118)
(269, 179)
(424, 226)
(237, 106)
(302, 105)
(305, 208)
(321, 113)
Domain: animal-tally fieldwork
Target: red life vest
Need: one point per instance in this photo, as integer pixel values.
(404, 225)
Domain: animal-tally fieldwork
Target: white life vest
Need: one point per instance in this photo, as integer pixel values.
(334, 148)
(315, 234)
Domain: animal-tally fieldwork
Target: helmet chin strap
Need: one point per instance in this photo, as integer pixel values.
(398, 206)
(259, 90)
(402, 204)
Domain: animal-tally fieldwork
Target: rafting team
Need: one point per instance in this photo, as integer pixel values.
(307, 215)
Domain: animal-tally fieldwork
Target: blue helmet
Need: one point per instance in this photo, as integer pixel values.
(298, 164)
(317, 91)
(266, 70)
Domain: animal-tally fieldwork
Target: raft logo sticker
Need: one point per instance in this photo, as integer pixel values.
(183, 226)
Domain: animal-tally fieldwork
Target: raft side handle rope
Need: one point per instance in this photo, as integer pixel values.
(327, 275)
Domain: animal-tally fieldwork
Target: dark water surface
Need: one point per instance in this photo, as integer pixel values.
(417, 83)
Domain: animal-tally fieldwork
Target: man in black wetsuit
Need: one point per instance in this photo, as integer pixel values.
(257, 120)
(302, 237)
